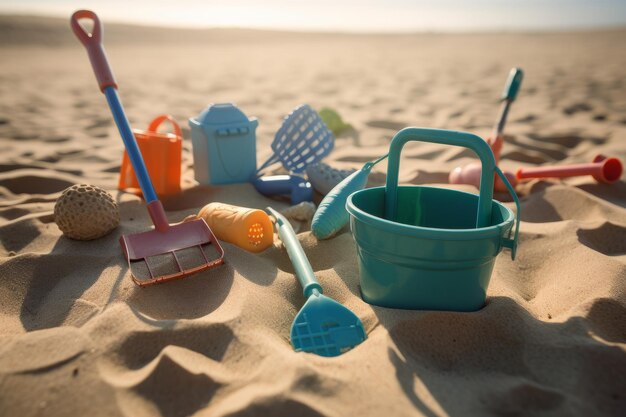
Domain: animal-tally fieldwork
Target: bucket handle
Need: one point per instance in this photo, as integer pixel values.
(444, 137)
(508, 242)
(156, 123)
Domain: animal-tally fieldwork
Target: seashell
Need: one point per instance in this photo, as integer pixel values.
(86, 212)
(324, 178)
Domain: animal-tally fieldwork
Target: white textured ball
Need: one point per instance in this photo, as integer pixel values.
(86, 212)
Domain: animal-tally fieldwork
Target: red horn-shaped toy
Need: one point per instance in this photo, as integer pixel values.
(602, 169)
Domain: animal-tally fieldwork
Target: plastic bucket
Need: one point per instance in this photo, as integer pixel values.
(426, 247)
(162, 154)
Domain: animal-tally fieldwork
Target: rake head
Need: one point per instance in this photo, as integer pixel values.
(189, 237)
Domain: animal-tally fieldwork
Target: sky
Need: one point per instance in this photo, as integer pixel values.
(345, 15)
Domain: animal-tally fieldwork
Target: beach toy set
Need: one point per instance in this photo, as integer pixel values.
(418, 247)
(164, 239)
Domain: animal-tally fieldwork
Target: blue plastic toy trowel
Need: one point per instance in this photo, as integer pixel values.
(322, 326)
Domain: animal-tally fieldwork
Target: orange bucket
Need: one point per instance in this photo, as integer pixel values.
(162, 154)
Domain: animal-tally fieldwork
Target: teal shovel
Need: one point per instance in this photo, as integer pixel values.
(322, 326)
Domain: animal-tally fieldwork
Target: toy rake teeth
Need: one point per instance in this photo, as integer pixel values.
(164, 239)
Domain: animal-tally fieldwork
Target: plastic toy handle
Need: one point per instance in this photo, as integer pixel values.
(444, 137)
(602, 169)
(508, 242)
(93, 43)
(513, 84)
(134, 154)
(301, 264)
(156, 123)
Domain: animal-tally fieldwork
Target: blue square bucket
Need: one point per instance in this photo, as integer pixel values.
(431, 248)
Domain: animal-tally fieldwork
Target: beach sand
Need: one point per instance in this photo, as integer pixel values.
(77, 337)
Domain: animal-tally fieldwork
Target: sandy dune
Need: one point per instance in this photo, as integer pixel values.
(79, 338)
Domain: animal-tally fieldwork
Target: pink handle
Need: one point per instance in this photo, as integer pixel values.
(602, 169)
(93, 43)
(154, 125)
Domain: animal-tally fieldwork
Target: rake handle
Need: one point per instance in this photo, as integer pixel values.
(298, 258)
(102, 70)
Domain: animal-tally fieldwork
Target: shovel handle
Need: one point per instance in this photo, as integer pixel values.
(513, 84)
(300, 263)
(511, 88)
(93, 43)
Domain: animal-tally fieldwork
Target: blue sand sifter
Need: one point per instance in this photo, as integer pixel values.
(322, 326)
(302, 140)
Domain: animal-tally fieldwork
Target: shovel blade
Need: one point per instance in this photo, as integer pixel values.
(326, 328)
(140, 247)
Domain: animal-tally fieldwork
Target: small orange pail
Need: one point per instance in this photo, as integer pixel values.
(162, 154)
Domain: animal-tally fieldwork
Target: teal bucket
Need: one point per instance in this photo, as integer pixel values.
(431, 248)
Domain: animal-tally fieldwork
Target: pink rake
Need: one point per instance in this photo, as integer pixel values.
(165, 239)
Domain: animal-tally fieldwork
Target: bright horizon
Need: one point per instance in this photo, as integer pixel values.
(345, 16)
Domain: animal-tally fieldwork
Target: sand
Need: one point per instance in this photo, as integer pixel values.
(77, 337)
